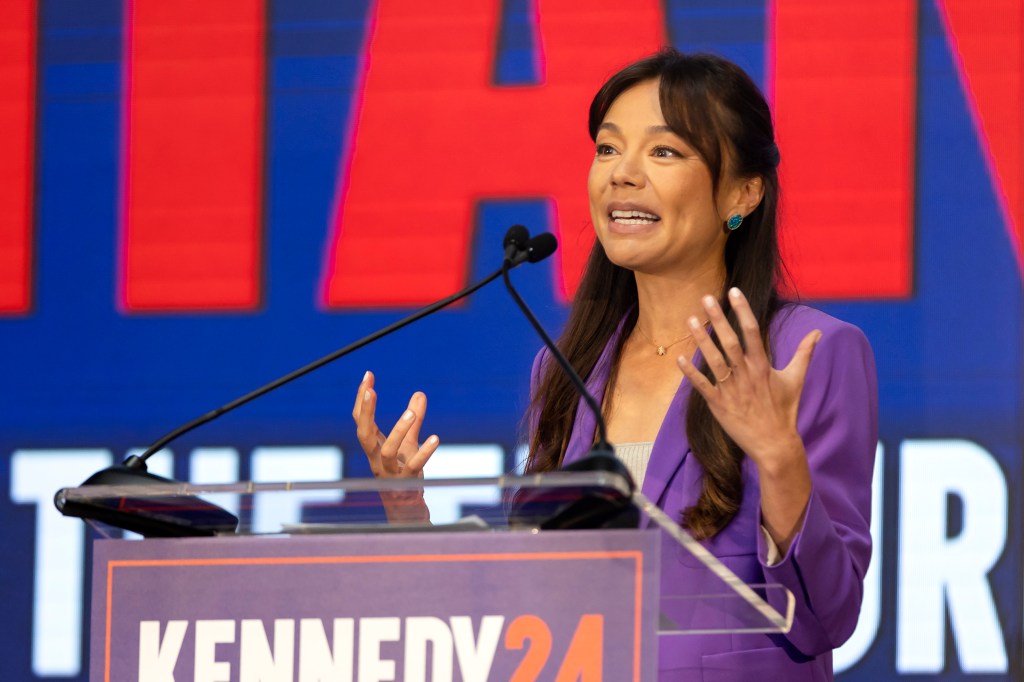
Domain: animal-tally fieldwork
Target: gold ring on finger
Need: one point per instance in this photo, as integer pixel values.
(723, 379)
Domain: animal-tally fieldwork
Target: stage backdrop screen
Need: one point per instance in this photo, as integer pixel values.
(197, 197)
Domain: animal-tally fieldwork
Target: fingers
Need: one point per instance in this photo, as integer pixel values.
(697, 380)
(418, 404)
(414, 466)
(726, 336)
(400, 453)
(735, 359)
(802, 357)
(750, 329)
(364, 385)
(366, 427)
(718, 364)
(389, 461)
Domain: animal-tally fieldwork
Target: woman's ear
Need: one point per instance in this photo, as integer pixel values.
(749, 195)
(744, 196)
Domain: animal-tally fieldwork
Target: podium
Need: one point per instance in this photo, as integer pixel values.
(551, 577)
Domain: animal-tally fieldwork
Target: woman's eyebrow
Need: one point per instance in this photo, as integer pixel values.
(651, 130)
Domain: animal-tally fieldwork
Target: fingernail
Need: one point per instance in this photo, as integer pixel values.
(709, 302)
(817, 338)
(682, 360)
(694, 323)
(366, 376)
(734, 293)
(408, 415)
(366, 395)
(431, 440)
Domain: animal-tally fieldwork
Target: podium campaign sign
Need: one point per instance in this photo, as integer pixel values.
(427, 606)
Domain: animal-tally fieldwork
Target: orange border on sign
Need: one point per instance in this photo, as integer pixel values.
(637, 556)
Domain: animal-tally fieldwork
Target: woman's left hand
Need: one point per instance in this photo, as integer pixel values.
(757, 406)
(755, 403)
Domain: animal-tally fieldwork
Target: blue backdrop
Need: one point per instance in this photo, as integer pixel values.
(81, 381)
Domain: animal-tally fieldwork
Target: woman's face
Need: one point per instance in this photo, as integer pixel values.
(650, 193)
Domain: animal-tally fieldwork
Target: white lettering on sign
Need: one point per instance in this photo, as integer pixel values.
(372, 633)
(423, 634)
(59, 553)
(476, 653)
(431, 645)
(323, 662)
(257, 662)
(57, 617)
(863, 637)
(937, 572)
(272, 511)
(210, 633)
(216, 465)
(158, 656)
(462, 461)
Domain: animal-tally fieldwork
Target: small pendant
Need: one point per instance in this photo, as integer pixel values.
(661, 350)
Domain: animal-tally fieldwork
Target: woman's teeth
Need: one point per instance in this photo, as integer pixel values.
(634, 217)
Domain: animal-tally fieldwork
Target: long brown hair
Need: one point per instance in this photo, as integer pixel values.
(717, 109)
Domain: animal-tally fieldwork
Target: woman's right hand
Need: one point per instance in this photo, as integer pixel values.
(397, 455)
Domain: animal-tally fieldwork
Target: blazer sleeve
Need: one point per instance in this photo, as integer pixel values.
(825, 564)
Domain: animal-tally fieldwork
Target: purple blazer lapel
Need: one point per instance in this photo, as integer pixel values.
(670, 445)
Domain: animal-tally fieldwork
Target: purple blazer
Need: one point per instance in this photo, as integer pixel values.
(825, 564)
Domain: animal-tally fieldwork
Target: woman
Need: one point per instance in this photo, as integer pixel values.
(770, 468)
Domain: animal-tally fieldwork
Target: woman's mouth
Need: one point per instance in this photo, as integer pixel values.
(634, 217)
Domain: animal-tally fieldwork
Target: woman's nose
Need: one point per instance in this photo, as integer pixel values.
(627, 172)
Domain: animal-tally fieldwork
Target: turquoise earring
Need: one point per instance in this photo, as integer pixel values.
(735, 220)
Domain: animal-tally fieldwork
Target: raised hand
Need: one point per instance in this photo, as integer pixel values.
(757, 406)
(398, 454)
(755, 403)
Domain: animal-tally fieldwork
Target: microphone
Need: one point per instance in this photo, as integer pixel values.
(182, 516)
(524, 249)
(515, 241)
(540, 247)
(591, 507)
(537, 249)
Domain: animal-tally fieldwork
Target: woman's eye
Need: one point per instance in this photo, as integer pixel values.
(605, 149)
(666, 152)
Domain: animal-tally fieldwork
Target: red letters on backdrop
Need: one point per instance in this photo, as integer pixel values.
(432, 136)
(844, 82)
(193, 156)
(848, 212)
(17, 160)
(986, 35)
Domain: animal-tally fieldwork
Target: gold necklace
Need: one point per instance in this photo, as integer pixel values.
(661, 350)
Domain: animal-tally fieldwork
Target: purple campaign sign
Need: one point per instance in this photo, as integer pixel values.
(362, 608)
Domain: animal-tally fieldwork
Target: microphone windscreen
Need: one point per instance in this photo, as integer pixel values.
(517, 236)
(541, 246)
